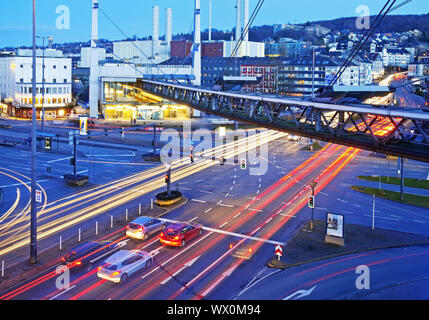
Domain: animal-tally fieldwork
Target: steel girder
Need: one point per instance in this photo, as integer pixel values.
(389, 130)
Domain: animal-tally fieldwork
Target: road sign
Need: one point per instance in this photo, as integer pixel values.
(38, 196)
(191, 147)
(279, 251)
(311, 201)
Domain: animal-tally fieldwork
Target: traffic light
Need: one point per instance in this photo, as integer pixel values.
(166, 178)
(243, 164)
(311, 201)
(192, 157)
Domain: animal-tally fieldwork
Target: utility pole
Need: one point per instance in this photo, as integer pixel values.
(43, 82)
(33, 227)
(154, 138)
(402, 178)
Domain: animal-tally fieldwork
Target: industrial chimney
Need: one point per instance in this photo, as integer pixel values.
(93, 71)
(238, 21)
(155, 31)
(196, 50)
(168, 25)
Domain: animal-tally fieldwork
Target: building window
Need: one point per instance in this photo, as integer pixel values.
(65, 80)
(65, 67)
(55, 80)
(54, 66)
(21, 80)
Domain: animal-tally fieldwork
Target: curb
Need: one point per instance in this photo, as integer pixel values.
(274, 263)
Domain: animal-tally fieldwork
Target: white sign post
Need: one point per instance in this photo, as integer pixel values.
(38, 196)
(279, 251)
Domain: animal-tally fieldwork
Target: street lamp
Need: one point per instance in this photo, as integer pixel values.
(312, 185)
(43, 80)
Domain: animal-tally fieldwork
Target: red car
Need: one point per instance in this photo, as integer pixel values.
(178, 234)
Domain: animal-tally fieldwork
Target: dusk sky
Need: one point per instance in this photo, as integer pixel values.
(135, 17)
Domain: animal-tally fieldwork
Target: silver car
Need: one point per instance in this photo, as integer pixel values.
(118, 267)
(143, 227)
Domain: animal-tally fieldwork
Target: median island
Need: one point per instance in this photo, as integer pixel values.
(306, 247)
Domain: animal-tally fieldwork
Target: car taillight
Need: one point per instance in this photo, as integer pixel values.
(141, 229)
(116, 273)
(78, 263)
(162, 234)
(128, 227)
(230, 246)
(99, 268)
(176, 238)
(250, 249)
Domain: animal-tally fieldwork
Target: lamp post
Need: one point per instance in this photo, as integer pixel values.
(43, 80)
(312, 185)
(33, 219)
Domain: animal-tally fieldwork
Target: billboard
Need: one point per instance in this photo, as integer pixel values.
(335, 225)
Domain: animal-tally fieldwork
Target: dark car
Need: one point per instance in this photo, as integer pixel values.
(178, 234)
(88, 253)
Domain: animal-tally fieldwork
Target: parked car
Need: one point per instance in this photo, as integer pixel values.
(118, 267)
(143, 227)
(178, 234)
(88, 253)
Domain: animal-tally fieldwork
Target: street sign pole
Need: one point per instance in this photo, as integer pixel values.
(75, 156)
(312, 185)
(373, 211)
(154, 138)
(33, 228)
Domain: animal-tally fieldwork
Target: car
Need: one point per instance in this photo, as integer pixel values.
(118, 267)
(293, 137)
(178, 234)
(142, 227)
(87, 253)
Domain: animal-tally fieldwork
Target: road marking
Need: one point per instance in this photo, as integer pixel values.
(300, 293)
(287, 215)
(356, 205)
(56, 160)
(208, 210)
(419, 221)
(370, 215)
(56, 296)
(224, 224)
(193, 219)
(205, 191)
(251, 209)
(186, 265)
(237, 214)
(226, 205)
(227, 273)
(344, 201)
(197, 200)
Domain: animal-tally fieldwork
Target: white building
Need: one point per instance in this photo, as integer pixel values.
(246, 49)
(139, 52)
(396, 57)
(85, 56)
(16, 84)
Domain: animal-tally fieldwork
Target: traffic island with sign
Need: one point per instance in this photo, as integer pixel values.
(78, 180)
(163, 199)
(306, 247)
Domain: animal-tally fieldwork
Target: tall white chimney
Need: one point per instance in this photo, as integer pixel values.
(168, 24)
(245, 22)
(246, 19)
(196, 50)
(155, 31)
(93, 72)
(238, 21)
(210, 20)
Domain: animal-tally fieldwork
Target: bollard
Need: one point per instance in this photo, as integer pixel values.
(79, 234)
(60, 243)
(126, 214)
(111, 221)
(96, 227)
(140, 208)
(2, 268)
(151, 204)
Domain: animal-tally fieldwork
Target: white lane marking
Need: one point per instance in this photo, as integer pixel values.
(186, 265)
(370, 215)
(419, 221)
(226, 205)
(356, 205)
(344, 201)
(227, 273)
(61, 159)
(224, 224)
(193, 219)
(209, 192)
(237, 214)
(287, 215)
(56, 296)
(185, 188)
(251, 209)
(300, 294)
(208, 210)
(197, 200)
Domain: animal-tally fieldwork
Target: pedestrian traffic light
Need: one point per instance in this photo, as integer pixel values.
(243, 164)
(192, 157)
(311, 201)
(166, 178)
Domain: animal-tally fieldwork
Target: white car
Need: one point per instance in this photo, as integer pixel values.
(119, 266)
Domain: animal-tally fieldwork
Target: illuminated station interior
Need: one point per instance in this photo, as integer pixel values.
(123, 101)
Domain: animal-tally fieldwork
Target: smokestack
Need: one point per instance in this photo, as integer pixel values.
(196, 54)
(93, 72)
(168, 24)
(238, 21)
(210, 20)
(155, 31)
(246, 19)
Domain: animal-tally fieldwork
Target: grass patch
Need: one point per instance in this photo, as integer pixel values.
(409, 182)
(413, 199)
